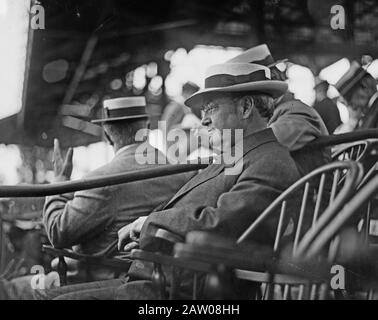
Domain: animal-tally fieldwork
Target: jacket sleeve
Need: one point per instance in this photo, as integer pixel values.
(72, 219)
(294, 128)
(235, 209)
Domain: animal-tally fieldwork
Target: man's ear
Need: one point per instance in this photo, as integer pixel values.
(247, 105)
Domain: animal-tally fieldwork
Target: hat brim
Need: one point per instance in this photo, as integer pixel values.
(119, 118)
(273, 88)
(277, 62)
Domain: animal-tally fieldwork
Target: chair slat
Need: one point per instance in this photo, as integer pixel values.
(301, 292)
(301, 216)
(319, 198)
(336, 179)
(286, 292)
(279, 227)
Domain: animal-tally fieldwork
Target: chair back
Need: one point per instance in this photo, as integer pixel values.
(333, 228)
(354, 151)
(318, 197)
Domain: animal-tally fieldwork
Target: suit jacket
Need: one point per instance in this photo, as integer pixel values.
(295, 124)
(225, 204)
(370, 120)
(329, 112)
(90, 219)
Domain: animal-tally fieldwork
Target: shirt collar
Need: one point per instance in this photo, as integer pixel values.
(125, 148)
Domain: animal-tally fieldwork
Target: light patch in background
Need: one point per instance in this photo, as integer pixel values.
(301, 83)
(14, 20)
(10, 161)
(191, 66)
(89, 158)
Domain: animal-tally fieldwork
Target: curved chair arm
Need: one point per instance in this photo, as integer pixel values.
(102, 258)
(335, 139)
(96, 259)
(160, 240)
(216, 250)
(170, 261)
(95, 182)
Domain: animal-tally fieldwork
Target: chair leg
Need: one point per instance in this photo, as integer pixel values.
(159, 280)
(286, 293)
(174, 292)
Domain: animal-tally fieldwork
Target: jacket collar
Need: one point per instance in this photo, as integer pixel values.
(124, 148)
(253, 141)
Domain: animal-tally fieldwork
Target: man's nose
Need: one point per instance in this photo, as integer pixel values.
(205, 121)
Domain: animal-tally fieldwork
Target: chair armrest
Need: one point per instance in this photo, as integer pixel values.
(160, 240)
(167, 260)
(257, 259)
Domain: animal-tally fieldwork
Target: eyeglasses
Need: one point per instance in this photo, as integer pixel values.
(209, 108)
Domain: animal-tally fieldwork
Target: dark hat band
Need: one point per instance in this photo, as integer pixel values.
(352, 82)
(226, 80)
(125, 112)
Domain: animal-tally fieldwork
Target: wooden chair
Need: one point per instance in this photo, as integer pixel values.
(200, 256)
(358, 254)
(103, 257)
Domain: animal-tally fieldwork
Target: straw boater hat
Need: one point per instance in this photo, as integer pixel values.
(258, 55)
(237, 77)
(123, 108)
(350, 79)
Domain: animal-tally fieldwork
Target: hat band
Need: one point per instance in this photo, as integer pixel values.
(349, 84)
(226, 80)
(125, 112)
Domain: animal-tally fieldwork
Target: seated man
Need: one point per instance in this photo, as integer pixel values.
(90, 219)
(227, 196)
(294, 123)
(358, 89)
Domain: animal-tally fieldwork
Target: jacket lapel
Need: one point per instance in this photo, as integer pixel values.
(206, 174)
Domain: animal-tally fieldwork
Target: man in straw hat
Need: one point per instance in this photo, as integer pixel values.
(90, 219)
(237, 96)
(294, 123)
(359, 91)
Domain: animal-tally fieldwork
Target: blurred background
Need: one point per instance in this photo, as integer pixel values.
(53, 80)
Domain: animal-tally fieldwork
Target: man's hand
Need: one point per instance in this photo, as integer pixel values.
(62, 169)
(130, 232)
